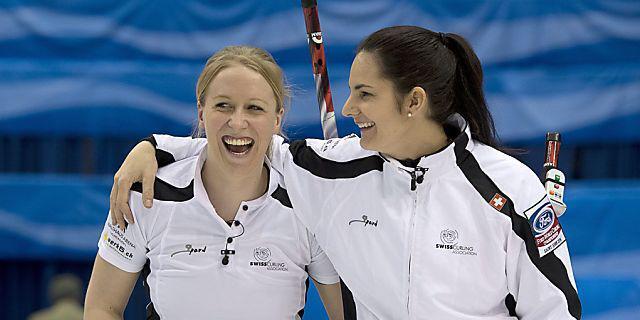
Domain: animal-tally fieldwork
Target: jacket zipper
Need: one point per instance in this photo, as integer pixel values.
(411, 236)
(417, 176)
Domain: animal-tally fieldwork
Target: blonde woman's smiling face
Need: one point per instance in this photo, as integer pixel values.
(239, 116)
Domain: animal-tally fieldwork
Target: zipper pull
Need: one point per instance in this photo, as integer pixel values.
(417, 177)
(413, 180)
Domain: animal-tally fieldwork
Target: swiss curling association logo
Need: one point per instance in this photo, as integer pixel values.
(263, 261)
(262, 254)
(448, 236)
(449, 242)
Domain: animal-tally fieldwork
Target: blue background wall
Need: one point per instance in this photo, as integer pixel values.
(82, 81)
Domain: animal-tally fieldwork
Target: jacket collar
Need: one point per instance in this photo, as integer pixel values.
(444, 159)
(201, 193)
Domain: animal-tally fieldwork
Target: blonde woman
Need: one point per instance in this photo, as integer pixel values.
(221, 241)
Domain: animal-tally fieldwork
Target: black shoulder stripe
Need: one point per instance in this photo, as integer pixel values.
(152, 140)
(281, 195)
(306, 158)
(151, 311)
(348, 304)
(510, 303)
(549, 265)
(166, 192)
(162, 157)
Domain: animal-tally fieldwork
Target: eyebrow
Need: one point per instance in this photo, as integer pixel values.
(220, 96)
(253, 99)
(360, 86)
(226, 97)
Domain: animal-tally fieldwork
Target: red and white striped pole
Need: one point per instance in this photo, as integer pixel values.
(319, 64)
(554, 180)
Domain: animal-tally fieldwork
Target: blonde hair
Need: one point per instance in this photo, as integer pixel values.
(256, 59)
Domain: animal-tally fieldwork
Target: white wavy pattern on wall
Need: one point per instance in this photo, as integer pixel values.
(20, 99)
(496, 39)
(577, 109)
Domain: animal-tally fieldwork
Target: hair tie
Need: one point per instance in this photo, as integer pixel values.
(442, 37)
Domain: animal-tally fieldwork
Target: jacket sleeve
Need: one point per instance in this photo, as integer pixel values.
(320, 268)
(170, 149)
(539, 273)
(127, 249)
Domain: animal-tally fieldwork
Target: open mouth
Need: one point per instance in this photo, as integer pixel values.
(238, 146)
(365, 125)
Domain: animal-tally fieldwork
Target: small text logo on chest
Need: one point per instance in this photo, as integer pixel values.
(365, 220)
(190, 249)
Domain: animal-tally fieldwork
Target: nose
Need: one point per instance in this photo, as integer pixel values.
(348, 110)
(238, 119)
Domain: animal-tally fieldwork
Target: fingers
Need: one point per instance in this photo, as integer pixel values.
(122, 201)
(148, 180)
(112, 200)
(117, 218)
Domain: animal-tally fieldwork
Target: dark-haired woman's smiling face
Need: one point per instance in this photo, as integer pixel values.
(373, 105)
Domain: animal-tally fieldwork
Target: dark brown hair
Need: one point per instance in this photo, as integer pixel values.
(444, 65)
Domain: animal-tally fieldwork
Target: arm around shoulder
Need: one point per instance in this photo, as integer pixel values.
(331, 296)
(326, 279)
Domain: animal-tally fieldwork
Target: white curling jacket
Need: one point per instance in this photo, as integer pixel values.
(469, 233)
(178, 245)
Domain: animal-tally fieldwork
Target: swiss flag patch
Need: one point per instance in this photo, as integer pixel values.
(498, 201)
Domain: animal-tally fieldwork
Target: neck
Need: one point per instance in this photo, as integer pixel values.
(227, 188)
(421, 139)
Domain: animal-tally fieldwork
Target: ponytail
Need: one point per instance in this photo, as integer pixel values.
(468, 93)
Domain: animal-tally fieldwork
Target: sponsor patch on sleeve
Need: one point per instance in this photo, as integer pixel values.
(546, 228)
(118, 241)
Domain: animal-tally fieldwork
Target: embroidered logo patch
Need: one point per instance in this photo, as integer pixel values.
(263, 261)
(546, 227)
(449, 243)
(262, 254)
(448, 236)
(498, 201)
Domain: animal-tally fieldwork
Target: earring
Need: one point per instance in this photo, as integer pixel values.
(410, 115)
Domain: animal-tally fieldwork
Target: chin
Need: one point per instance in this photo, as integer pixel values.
(365, 144)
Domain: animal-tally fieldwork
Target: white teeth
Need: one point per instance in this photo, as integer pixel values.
(366, 125)
(237, 142)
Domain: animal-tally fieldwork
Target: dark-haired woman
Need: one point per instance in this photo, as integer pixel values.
(422, 217)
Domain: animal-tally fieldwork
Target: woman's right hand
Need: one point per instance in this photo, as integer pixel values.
(139, 165)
